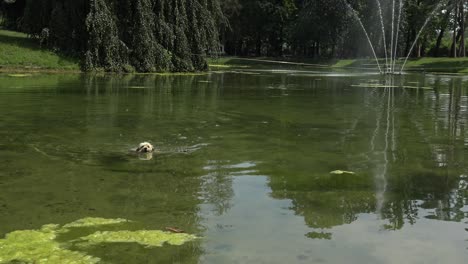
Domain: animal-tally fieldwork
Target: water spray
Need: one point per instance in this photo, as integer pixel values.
(390, 61)
(365, 32)
(383, 31)
(419, 34)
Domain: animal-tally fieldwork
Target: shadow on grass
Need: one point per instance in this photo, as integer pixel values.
(24, 42)
(20, 41)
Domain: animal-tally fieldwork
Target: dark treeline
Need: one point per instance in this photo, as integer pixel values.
(125, 35)
(329, 28)
(176, 35)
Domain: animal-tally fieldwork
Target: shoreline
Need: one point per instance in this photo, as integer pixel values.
(440, 65)
(13, 70)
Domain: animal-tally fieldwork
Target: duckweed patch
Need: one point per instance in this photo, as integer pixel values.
(19, 75)
(149, 238)
(93, 221)
(341, 172)
(41, 246)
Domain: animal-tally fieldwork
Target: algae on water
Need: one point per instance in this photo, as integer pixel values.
(19, 75)
(93, 221)
(340, 172)
(149, 238)
(41, 246)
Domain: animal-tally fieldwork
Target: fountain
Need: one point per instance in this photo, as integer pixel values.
(391, 56)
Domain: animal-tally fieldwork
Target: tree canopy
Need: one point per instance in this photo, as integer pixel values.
(176, 35)
(145, 35)
(329, 28)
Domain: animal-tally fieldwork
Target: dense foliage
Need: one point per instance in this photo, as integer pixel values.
(175, 35)
(145, 35)
(329, 28)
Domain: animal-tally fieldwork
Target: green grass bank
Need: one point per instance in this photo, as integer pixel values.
(18, 53)
(428, 64)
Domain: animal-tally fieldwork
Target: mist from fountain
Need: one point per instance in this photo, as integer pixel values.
(367, 35)
(383, 31)
(419, 34)
(390, 61)
(397, 35)
(391, 42)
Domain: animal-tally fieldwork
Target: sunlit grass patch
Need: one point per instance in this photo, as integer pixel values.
(19, 52)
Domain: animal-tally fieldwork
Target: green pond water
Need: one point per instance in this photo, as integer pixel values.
(243, 162)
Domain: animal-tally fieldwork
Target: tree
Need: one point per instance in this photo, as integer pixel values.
(453, 50)
(146, 35)
(258, 27)
(11, 12)
(462, 29)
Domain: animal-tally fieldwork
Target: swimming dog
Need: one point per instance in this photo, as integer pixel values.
(145, 147)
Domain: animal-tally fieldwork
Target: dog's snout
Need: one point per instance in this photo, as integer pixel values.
(145, 147)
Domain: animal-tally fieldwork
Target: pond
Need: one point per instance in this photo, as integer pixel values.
(263, 166)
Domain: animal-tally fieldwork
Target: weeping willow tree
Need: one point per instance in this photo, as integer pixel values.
(125, 35)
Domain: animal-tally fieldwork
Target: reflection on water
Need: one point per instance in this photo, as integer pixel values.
(244, 161)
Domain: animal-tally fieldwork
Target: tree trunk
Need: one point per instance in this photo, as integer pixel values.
(442, 32)
(439, 42)
(258, 46)
(453, 50)
(408, 40)
(317, 51)
(418, 50)
(462, 29)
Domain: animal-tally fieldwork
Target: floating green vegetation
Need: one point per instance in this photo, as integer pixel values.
(41, 246)
(150, 238)
(341, 172)
(93, 221)
(38, 246)
(19, 75)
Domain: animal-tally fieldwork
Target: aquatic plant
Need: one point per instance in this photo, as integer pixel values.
(340, 172)
(19, 75)
(41, 246)
(93, 221)
(149, 238)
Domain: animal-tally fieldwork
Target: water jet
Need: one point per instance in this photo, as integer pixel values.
(391, 56)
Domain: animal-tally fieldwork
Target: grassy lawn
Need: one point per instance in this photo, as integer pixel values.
(453, 65)
(20, 53)
(442, 65)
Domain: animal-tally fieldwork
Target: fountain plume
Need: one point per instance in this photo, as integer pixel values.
(390, 59)
(393, 28)
(367, 35)
(419, 34)
(394, 56)
(383, 31)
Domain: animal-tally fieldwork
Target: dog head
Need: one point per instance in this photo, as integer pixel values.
(145, 147)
